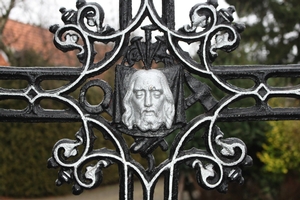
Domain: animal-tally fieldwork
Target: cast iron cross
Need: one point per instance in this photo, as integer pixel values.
(148, 103)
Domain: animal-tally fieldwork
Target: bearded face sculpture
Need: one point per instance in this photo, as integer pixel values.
(148, 102)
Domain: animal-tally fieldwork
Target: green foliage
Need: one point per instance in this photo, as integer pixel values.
(25, 149)
(27, 58)
(272, 32)
(281, 152)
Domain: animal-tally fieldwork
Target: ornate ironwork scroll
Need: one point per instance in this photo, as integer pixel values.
(148, 104)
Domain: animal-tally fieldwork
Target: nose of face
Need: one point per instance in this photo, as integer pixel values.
(148, 99)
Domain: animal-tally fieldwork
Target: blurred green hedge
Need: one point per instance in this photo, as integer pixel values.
(25, 148)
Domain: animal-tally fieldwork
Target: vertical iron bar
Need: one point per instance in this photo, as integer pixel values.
(126, 183)
(168, 13)
(125, 13)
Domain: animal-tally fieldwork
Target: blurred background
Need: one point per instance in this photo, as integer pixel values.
(271, 37)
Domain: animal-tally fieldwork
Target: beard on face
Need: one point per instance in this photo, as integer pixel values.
(149, 120)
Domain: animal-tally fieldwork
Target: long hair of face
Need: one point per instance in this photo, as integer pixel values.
(127, 117)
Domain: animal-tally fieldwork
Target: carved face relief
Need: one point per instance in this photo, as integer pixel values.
(149, 101)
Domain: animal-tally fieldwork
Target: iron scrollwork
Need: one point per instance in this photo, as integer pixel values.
(148, 104)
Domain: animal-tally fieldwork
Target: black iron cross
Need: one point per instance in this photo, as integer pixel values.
(148, 103)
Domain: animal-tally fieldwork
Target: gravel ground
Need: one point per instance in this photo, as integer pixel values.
(106, 193)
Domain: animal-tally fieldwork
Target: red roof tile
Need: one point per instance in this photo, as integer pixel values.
(19, 36)
(3, 62)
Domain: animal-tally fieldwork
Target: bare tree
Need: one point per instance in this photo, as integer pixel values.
(5, 10)
(29, 12)
(6, 7)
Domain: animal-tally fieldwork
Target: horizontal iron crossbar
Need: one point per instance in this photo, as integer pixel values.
(151, 102)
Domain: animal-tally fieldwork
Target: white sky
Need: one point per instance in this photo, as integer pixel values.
(47, 13)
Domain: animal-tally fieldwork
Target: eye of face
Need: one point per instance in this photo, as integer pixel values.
(157, 93)
(139, 94)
